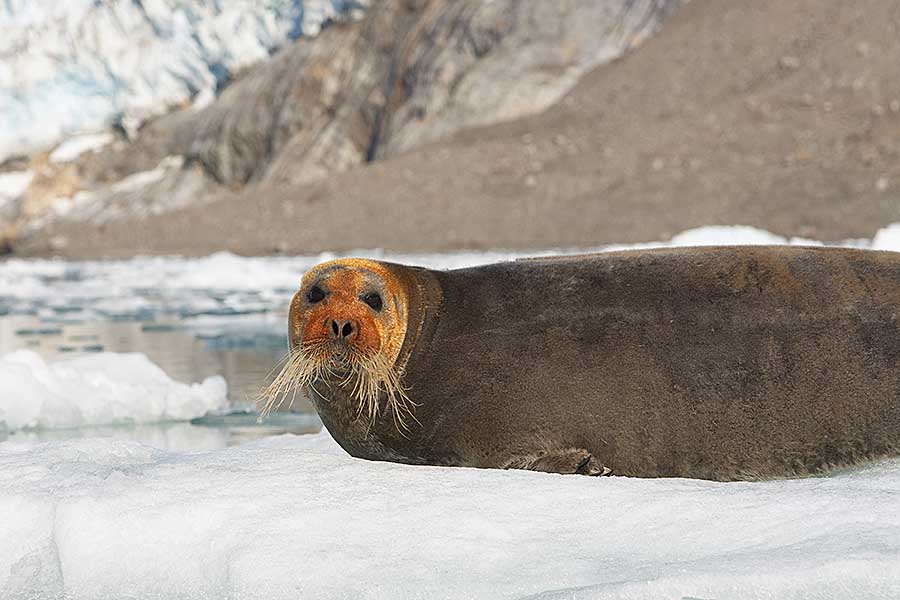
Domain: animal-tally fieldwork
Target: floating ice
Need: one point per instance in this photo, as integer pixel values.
(290, 517)
(98, 389)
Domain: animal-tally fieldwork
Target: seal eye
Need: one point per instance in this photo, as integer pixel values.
(315, 294)
(373, 300)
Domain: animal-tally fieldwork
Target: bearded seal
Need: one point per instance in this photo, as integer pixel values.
(722, 363)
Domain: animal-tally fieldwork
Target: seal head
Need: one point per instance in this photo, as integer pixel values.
(347, 326)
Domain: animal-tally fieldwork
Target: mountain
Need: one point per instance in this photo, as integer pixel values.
(407, 74)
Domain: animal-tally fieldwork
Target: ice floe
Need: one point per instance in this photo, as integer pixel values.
(98, 389)
(294, 517)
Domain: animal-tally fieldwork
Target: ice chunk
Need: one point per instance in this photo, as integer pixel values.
(293, 517)
(98, 389)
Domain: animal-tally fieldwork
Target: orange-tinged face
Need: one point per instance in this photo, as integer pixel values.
(350, 303)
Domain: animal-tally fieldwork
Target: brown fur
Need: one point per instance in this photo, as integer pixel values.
(716, 363)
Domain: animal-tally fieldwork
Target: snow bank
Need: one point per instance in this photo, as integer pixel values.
(290, 517)
(98, 389)
(78, 65)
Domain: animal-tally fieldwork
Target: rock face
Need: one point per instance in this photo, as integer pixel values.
(410, 73)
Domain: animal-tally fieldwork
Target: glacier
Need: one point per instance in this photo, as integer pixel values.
(79, 66)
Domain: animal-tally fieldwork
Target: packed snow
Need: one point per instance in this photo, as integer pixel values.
(294, 517)
(77, 66)
(98, 389)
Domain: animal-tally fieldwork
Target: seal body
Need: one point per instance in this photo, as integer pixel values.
(719, 363)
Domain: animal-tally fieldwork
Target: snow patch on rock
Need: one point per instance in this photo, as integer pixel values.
(137, 181)
(74, 147)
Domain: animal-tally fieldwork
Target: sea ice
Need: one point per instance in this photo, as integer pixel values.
(294, 517)
(98, 389)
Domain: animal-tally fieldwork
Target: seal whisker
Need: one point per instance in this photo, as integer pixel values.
(300, 366)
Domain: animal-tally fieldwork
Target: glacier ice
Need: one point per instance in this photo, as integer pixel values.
(79, 65)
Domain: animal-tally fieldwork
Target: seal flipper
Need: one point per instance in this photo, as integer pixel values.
(566, 461)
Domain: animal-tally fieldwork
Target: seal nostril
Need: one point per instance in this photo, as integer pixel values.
(347, 330)
(335, 329)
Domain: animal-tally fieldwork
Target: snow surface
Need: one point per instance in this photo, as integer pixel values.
(77, 66)
(98, 389)
(293, 517)
(74, 147)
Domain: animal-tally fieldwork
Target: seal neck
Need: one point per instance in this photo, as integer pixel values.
(423, 310)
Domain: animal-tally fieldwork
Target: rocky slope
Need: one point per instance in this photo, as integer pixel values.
(407, 74)
(780, 115)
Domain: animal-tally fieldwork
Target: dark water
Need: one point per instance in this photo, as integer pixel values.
(242, 351)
